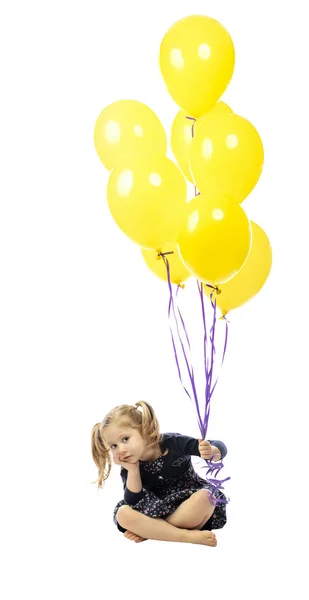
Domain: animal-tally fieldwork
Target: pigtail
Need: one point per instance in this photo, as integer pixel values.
(150, 425)
(100, 455)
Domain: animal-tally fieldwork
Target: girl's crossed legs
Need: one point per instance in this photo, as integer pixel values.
(182, 525)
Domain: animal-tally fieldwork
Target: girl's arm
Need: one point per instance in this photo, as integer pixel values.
(133, 487)
(134, 482)
(188, 446)
(216, 453)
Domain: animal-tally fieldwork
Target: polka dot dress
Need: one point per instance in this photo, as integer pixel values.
(169, 492)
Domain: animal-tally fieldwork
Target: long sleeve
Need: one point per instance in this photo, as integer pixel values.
(188, 446)
(221, 446)
(130, 497)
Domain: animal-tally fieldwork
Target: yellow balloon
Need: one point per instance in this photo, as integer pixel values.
(182, 133)
(226, 155)
(147, 198)
(178, 272)
(127, 127)
(197, 62)
(250, 278)
(215, 239)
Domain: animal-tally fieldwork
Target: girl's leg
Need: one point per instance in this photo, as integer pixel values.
(159, 529)
(194, 512)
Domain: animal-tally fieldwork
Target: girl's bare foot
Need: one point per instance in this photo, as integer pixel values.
(134, 537)
(206, 538)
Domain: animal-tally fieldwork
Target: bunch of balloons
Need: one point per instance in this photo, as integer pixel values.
(209, 236)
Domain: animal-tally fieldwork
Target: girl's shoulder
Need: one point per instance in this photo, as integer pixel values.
(166, 442)
(167, 438)
(179, 443)
(172, 439)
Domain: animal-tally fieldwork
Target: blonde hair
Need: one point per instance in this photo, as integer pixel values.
(144, 420)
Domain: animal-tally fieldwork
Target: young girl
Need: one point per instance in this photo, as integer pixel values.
(164, 498)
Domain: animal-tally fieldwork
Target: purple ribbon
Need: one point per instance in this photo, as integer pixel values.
(209, 360)
(190, 370)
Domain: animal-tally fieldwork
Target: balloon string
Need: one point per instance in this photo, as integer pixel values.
(171, 308)
(223, 356)
(182, 321)
(212, 338)
(205, 354)
(217, 466)
(203, 423)
(208, 367)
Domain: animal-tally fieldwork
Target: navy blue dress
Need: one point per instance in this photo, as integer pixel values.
(170, 480)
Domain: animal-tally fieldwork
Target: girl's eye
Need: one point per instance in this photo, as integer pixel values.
(114, 445)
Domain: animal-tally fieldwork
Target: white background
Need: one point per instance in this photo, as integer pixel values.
(84, 323)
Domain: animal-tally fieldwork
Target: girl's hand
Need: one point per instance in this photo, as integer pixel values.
(205, 449)
(129, 466)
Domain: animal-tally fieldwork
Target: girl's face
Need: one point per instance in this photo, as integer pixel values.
(124, 442)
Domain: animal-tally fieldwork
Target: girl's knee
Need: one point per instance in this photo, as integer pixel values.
(205, 497)
(124, 515)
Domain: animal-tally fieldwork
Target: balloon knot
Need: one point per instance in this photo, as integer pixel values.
(223, 318)
(163, 254)
(214, 289)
